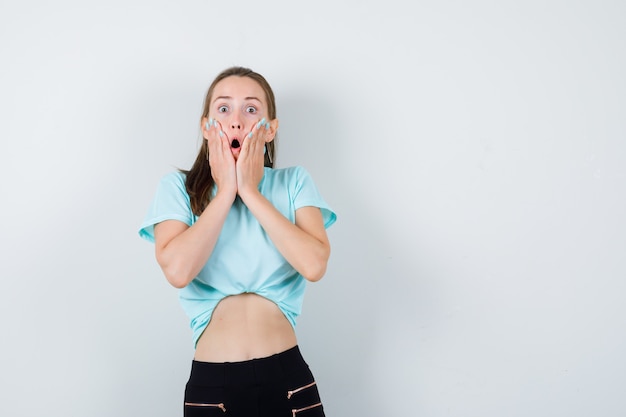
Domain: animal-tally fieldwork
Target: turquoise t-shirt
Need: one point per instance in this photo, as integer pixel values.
(244, 259)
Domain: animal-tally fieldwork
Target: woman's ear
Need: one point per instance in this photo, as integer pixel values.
(273, 129)
(204, 126)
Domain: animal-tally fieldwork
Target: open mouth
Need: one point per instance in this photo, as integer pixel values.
(235, 143)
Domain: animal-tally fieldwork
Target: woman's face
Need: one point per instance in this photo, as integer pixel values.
(238, 103)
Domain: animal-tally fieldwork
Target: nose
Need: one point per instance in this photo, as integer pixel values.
(235, 124)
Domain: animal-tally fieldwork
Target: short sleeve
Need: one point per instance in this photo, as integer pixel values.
(171, 202)
(305, 193)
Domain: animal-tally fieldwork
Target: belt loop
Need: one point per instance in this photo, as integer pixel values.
(255, 374)
(282, 363)
(223, 375)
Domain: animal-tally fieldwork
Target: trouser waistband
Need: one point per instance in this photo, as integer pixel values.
(261, 370)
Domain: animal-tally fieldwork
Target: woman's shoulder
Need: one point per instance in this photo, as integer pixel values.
(173, 182)
(286, 173)
(174, 176)
(173, 179)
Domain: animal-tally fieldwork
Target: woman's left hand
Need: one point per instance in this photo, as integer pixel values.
(250, 164)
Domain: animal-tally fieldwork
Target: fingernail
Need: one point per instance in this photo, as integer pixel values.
(250, 135)
(221, 133)
(207, 125)
(267, 125)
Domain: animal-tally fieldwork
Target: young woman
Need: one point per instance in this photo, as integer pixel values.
(240, 239)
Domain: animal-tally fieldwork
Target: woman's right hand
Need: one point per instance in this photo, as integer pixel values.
(221, 160)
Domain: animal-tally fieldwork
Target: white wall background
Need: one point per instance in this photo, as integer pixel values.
(474, 151)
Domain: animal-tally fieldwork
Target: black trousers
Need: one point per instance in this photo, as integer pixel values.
(280, 385)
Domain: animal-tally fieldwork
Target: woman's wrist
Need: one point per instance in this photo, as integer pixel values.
(248, 195)
(227, 195)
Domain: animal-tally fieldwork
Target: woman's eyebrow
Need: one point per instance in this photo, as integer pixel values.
(222, 98)
(230, 98)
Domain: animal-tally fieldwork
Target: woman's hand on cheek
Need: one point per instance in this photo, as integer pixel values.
(250, 164)
(221, 158)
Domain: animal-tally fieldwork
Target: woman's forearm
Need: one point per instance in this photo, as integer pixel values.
(182, 251)
(304, 246)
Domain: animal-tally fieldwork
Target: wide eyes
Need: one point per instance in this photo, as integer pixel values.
(248, 109)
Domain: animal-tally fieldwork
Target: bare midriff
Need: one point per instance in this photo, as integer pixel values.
(243, 327)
